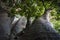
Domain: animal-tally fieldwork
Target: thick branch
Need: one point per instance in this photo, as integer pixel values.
(12, 29)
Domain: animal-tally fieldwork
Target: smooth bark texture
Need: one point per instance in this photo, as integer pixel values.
(4, 25)
(20, 24)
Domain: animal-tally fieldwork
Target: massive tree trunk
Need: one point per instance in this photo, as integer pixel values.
(41, 29)
(4, 24)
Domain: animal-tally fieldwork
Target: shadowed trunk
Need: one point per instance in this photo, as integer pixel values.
(41, 29)
(4, 24)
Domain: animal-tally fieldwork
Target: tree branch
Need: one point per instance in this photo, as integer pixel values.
(12, 29)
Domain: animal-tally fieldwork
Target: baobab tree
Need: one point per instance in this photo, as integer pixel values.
(41, 29)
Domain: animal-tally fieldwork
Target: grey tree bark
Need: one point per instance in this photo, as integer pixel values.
(4, 24)
(40, 29)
